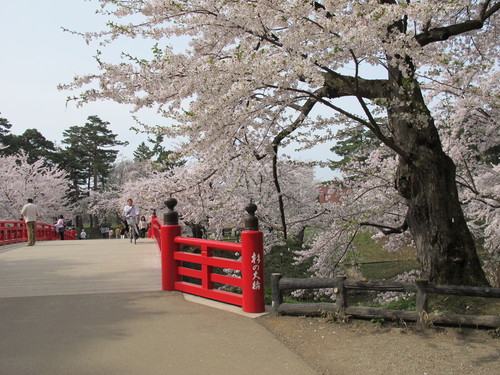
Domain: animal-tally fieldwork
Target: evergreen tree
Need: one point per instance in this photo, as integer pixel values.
(36, 147)
(89, 157)
(5, 136)
(354, 144)
(161, 158)
(143, 153)
(4, 127)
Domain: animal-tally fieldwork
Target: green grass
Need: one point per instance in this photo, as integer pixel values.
(439, 304)
(387, 269)
(375, 261)
(464, 305)
(281, 259)
(371, 250)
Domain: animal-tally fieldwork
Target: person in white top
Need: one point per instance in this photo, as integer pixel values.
(30, 212)
(131, 215)
(60, 226)
(83, 234)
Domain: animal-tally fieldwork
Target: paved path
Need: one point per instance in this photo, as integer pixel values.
(79, 267)
(95, 307)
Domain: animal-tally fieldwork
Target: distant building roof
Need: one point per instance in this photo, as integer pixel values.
(330, 193)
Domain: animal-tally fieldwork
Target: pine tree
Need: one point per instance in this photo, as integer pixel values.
(88, 157)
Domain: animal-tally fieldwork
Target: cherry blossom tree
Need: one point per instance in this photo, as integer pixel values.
(218, 201)
(107, 203)
(257, 73)
(20, 180)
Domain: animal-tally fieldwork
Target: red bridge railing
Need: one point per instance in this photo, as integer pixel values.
(14, 231)
(180, 267)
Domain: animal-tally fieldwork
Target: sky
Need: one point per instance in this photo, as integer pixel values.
(37, 56)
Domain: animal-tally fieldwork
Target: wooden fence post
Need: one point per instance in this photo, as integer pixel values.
(422, 302)
(341, 297)
(277, 296)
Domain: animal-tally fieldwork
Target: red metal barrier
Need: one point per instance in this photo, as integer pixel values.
(69, 235)
(154, 230)
(250, 266)
(15, 231)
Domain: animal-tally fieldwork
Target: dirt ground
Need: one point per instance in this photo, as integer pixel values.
(362, 347)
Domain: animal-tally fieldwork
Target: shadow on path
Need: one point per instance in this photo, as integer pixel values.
(134, 333)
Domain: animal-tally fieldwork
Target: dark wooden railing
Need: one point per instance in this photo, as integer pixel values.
(341, 285)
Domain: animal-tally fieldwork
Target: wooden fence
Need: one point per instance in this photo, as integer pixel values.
(341, 285)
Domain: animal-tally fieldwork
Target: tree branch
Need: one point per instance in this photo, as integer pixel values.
(443, 33)
(281, 204)
(485, 13)
(306, 108)
(351, 240)
(386, 229)
(338, 85)
(311, 217)
(304, 112)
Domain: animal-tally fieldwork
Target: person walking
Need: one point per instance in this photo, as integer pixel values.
(131, 215)
(60, 226)
(30, 213)
(143, 227)
(83, 234)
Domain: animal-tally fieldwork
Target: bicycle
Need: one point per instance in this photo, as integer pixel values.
(133, 231)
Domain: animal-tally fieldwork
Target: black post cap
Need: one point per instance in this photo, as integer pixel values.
(171, 217)
(251, 222)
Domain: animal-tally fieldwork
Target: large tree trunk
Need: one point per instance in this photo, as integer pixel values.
(426, 179)
(446, 248)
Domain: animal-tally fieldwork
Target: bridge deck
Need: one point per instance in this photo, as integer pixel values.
(70, 315)
(79, 267)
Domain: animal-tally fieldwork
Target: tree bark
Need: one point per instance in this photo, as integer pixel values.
(299, 237)
(426, 179)
(446, 248)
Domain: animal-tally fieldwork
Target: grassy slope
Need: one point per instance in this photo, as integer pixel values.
(378, 263)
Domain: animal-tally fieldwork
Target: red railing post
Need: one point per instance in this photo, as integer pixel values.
(168, 246)
(152, 226)
(252, 257)
(252, 272)
(206, 270)
(25, 231)
(167, 250)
